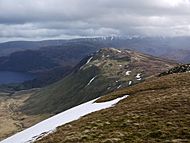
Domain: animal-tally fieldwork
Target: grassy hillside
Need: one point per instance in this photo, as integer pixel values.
(157, 110)
(104, 72)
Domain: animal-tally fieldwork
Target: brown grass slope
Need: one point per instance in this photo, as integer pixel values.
(11, 120)
(158, 110)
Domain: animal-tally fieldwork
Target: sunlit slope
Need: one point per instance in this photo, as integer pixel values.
(157, 110)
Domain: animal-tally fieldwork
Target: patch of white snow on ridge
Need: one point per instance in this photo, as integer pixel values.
(91, 81)
(116, 50)
(89, 60)
(119, 86)
(138, 76)
(128, 72)
(49, 125)
(130, 82)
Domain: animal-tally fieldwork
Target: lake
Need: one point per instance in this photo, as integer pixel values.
(14, 77)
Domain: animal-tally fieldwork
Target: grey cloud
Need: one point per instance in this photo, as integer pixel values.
(40, 19)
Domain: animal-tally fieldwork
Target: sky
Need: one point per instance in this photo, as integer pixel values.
(57, 19)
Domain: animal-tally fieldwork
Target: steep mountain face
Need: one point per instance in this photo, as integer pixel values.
(156, 110)
(96, 75)
(46, 58)
(49, 64)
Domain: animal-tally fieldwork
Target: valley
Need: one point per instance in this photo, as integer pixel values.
(12, 120)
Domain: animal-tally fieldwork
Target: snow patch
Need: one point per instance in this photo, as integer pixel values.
(48, 126)
(89, 60)
(138, 76)
(119, 86)
(130, 82)
(91, 81)
(108, 88)
(128, 72)
(116, 50)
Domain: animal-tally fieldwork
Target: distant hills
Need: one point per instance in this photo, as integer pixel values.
(58, 57)
(174, 48)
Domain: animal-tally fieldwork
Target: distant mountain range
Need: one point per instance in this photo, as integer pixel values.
(174, 48)
(58, 57)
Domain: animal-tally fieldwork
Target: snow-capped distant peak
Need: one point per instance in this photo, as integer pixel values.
(47, 126)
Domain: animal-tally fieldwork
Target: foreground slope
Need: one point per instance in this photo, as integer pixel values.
(49, 125)
(11, 119)
(98, 74)
(157, 110)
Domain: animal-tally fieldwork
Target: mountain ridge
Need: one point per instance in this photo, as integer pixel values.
(95, 79)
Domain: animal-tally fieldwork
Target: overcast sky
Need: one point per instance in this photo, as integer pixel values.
(47, 19)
